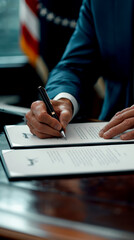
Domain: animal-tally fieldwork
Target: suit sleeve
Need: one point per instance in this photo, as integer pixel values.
(78, 68)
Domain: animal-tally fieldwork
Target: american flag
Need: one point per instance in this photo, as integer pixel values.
(46, 26)
(30, 35)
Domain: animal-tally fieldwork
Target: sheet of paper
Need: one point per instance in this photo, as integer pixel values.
(71, 160)
(76, 134)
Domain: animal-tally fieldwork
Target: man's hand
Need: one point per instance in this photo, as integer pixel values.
(42, 124)
(122, 121)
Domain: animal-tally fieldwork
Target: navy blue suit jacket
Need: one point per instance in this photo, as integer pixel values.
(101, 45)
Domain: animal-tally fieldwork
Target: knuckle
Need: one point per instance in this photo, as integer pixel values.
(120, 117)
(42, 116)
(36, 104)
(33, 104)
(116, 114)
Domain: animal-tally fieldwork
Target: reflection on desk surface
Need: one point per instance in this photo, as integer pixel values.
(72, 208)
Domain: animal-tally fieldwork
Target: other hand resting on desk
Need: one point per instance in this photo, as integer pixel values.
(42, 124)
(121, 121)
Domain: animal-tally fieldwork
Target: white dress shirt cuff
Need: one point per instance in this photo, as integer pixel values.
(71, 98)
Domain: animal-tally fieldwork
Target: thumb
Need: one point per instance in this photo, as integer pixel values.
(65, 118)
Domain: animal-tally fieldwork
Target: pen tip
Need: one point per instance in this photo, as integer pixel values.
(63, 134)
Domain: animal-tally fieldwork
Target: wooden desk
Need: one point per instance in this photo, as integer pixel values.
(95, 208)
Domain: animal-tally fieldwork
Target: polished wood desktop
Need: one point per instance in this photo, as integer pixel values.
(84, 208)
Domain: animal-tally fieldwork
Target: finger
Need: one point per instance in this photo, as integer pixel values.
(113, 122)
(40, 127)
(120, 128)
(124, 110)
(39, 112)
(42, 130)
(64, 109)
(127, 136)
(116, 120)
(45, 118)
(39, 135)
(65, 118)
(125, 114)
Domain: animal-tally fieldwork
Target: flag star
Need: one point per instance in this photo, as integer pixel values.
(43, 12)
(57, 20)
(50, 16)
(65, 22)
(72, 24)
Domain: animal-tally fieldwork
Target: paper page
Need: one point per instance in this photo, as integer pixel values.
(76, 134)
(71, 160)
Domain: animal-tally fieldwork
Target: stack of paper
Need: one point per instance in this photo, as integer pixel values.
(81, 152)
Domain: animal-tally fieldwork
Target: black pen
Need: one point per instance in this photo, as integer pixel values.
(49, 106)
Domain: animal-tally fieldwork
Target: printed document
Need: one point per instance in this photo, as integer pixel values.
(44, 162)
(19, 136)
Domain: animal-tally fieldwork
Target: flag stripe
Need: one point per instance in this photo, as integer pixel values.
(33, 5)
(30, 36)
(31, 41)
(28, 18)
(28, 51)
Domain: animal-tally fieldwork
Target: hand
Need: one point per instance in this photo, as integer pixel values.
(42, 124)
(122, 121)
